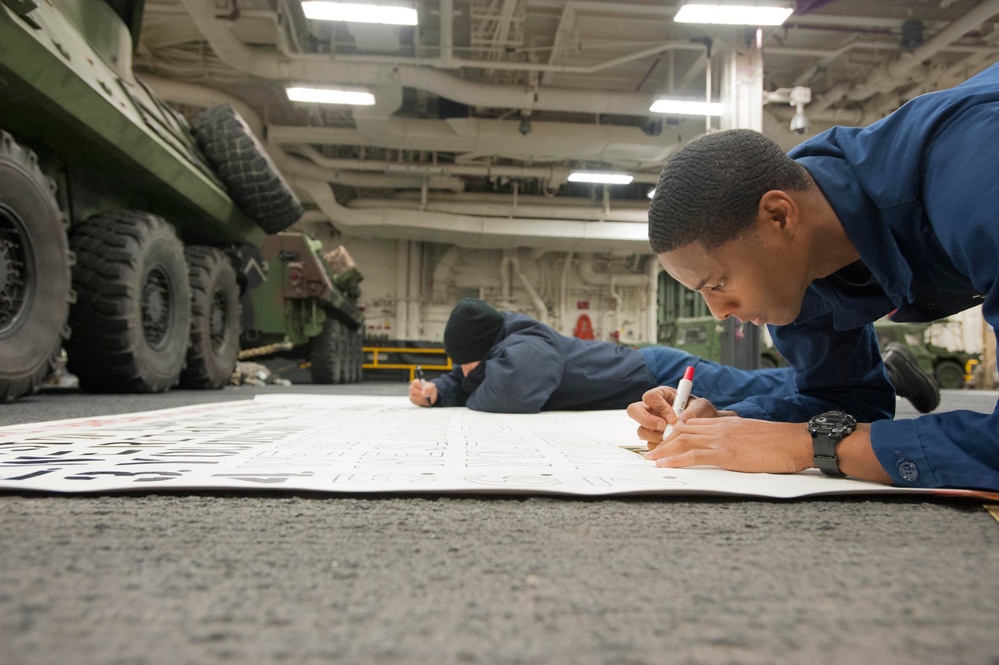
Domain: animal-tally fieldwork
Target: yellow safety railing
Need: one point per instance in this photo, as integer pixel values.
(378, 353)
(969, 369)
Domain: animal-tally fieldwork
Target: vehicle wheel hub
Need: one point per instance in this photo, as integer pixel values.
(12, 277)
(217, 324)
(155, 307)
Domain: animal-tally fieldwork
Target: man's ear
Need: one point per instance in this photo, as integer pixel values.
(778, 212)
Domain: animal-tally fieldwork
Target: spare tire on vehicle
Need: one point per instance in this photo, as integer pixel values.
(245, 168)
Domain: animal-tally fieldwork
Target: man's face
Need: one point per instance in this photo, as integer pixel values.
(756, 278)
(466, 368)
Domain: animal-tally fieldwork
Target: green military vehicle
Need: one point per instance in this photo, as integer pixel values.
(127, 233)
(950, 368)
(286, 283)
(702, 336)
(686, 323)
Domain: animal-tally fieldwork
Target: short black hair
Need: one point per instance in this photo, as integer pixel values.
(709, 190)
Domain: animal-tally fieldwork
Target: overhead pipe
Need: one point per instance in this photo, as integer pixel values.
(446, 15)
(887, 77)
(472, 231)
(414, 293)
(532, 293)
(591, 277)
(352, 177)
(564, 292)
(446, 59)
(525, 199)
(507, 210)
(553, 174)
(505, 273)
(547, 140)
(653, 267)
(442, 274)
(320, 69)
(877, 108)
(397, 61)
(401, 288)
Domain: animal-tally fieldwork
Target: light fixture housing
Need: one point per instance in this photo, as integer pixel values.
(686, 107)
(314, 95)
(601, 177)
(735, 12)
(396, 14)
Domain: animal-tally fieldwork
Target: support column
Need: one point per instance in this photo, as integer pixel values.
(742, 95)
(401, 290)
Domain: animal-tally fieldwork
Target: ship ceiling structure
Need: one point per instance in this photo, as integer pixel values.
(484, 108)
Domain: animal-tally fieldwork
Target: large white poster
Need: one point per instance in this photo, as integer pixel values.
(365, 444)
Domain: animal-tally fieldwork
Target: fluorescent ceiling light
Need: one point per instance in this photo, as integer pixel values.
(601, 177)
(651, 193)
(765, 13)
(330, 96)
(358, 13)
(686, 107)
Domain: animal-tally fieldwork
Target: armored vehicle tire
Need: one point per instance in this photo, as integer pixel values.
(214, 344)
(949, 374)
(251, 178)
(350, 368)
(35, 286)
(357, 354)
(327, 353)
(132, 318)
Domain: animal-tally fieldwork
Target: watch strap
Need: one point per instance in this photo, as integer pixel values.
(828, 464)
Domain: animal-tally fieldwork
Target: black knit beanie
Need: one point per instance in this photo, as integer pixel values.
(471, 331)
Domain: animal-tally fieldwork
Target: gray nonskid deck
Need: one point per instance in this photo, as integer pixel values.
(303, 578)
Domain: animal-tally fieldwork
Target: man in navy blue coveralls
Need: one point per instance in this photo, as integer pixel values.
(900, 218)
(511, 363)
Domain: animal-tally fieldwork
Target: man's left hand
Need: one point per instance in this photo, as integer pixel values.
(737, 444)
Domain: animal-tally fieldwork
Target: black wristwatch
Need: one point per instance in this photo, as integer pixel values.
(827, 430)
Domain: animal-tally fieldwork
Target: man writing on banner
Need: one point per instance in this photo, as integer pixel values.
(900, 218)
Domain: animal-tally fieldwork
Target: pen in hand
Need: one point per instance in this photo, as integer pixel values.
(683, 389)
(419, 375)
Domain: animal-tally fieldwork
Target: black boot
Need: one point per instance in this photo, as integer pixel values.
(910, 380)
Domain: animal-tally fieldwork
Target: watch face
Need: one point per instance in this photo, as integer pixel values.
(832, 422)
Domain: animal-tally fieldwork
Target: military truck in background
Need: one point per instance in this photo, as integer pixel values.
(952, 369)
(685, 322)
(129, 236)
(285, 284)
(702, 336)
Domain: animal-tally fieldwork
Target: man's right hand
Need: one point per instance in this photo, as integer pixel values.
(655, 411)
(420, 391)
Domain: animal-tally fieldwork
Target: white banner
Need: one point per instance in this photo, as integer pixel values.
(368, 444)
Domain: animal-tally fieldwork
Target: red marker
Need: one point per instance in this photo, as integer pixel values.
(682, 395)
